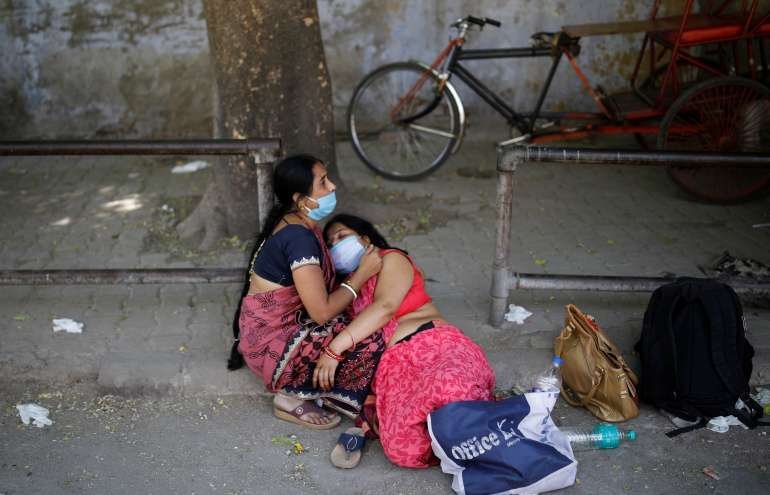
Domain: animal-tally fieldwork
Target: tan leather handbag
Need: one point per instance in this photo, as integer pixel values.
(594, 373)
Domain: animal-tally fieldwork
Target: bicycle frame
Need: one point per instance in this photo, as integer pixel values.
(523, 121)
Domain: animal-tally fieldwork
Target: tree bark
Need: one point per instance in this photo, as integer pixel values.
(272, 81)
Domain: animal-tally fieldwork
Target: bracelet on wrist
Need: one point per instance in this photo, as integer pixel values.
(333, 354)
(351, 289)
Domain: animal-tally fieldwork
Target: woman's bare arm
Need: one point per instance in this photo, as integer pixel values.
(322, 305)
(393, 284)
(395, 280)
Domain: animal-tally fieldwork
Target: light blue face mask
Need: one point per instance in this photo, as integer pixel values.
(346, 254)
(326, 205)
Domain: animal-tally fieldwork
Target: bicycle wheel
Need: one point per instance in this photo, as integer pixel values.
(400, 124)
(729, 114)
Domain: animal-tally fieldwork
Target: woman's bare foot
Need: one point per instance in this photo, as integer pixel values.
(314, 414)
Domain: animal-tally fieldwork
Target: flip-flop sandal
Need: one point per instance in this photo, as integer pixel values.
(347, 453)
(306, 407)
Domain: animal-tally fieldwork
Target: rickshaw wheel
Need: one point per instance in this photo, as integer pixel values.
(687, 75)
(728, 114)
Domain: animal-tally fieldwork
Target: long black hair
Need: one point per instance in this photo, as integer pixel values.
(293, 174)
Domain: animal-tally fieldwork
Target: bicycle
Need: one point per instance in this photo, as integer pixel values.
(406, 118)
(700, 93)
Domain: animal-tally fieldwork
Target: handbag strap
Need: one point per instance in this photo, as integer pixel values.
(574, 400)
(577, 319)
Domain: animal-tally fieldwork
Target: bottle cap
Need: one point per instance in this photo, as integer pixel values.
(557, 361)
(631, 435)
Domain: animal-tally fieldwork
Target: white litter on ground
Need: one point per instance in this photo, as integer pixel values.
(38, 414)
(67, 325)
(517, 314)
(721, 424)
(190, 167)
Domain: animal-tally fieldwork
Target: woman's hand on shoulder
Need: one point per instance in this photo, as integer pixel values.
(371, 262)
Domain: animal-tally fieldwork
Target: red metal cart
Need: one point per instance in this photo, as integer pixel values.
(703, 91)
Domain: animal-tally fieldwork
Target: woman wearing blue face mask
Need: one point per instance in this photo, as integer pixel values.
(289, 311)
(427, 362)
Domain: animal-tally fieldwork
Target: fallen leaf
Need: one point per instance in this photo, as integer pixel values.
(540, 261)
(711, 473)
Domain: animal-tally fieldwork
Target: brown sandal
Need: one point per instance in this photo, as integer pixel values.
(295, 415)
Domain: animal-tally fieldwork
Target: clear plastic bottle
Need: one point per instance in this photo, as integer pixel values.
(550, 379)
(602, 436)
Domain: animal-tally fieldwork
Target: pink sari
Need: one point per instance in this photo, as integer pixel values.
(281, 343)
(433, 368)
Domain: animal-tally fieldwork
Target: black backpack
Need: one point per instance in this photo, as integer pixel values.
(696, 361)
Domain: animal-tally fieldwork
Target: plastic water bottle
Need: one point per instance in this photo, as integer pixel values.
(550, 379)
(602, 436)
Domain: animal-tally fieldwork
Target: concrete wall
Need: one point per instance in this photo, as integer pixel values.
(76, 68)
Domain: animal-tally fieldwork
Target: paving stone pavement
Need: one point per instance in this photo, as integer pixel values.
(171, 340)
(73, 212)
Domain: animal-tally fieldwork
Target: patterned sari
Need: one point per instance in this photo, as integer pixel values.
(281, 344)
(415, 377)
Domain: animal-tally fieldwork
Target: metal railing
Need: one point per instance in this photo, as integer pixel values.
(261, 154)
(510, 157)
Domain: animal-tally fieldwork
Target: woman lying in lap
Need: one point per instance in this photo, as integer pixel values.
(427, 362)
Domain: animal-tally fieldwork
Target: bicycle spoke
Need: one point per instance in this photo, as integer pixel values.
(429, 130)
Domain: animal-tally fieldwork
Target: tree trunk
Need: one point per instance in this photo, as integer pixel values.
(272, 81)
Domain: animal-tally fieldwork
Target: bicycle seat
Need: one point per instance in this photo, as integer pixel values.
(543, 39)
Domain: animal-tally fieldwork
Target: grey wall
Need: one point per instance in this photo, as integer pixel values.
(76, 68)
(80, 68)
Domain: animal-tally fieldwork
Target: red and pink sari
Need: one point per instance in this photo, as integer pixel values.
(415, 377)
(281, 343)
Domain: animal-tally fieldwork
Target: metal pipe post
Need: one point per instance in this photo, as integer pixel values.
(506, 166)
(509, 157)
(531, 281)
(130, 276)
(263, 163)
(586, 156)
(141, 147)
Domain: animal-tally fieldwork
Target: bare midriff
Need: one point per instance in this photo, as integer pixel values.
(410, 322)
(407, 324)
(258, 285)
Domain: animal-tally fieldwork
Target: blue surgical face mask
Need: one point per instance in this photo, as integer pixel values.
(326, 205)
(346, 254)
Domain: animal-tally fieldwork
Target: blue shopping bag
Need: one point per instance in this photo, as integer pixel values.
(502, 447)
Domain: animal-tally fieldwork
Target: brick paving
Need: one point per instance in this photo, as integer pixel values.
(172, 339)
(115, 212)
